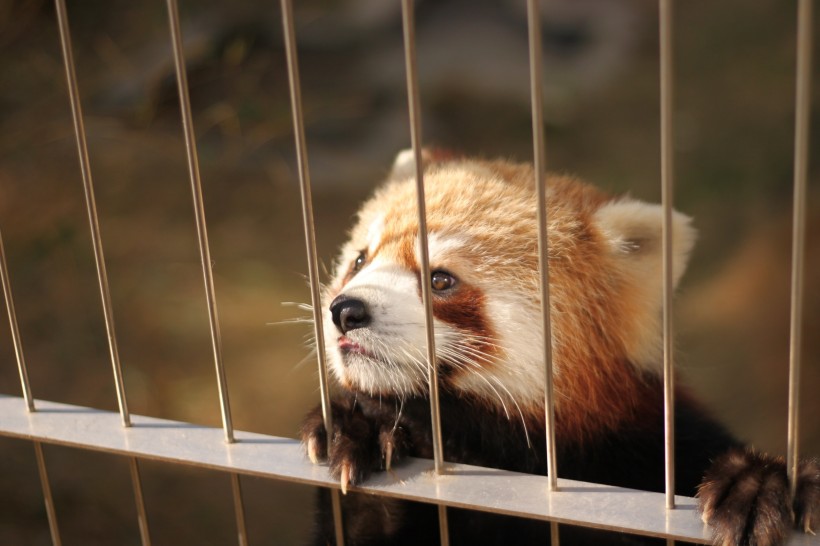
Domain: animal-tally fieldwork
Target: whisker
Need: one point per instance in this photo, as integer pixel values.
(518, 408)
(307, 358)
(398, 417)
(465, 363)
(323, 266)
(396, 371)
(481, 339)
(478, 371)
(289, 321)
(304, 306)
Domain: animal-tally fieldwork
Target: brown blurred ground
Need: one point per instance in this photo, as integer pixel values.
(735, 123)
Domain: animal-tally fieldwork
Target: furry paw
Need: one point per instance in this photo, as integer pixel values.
(745, 498)
(359, 444)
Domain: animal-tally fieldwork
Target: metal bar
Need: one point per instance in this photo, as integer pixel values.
(485, 489)
(239, 510)
(49, 500)
(307, 208)
(310, 240)
(801, 166)
(443, 525)
(539, 166)
(88, 186)
(424, 258)
(15, 330)
(99, 256)
(199, 211)
(139, 501)
(338, 526)
(667, 182)
(204, 246)
(27, 397)
(414, 110)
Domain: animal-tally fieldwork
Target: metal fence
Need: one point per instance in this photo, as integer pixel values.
(440, 482)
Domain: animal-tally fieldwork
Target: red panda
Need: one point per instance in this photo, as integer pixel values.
(605, 284)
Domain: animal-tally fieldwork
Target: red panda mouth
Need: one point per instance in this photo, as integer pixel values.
(349, 347)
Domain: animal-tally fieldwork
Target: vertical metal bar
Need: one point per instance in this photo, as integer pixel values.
(667, 181)
(199, 211)
(99, 256)
(239, 510)
(139, 501)
(29, 399)
(307, 207)
(414, 110)
(310, 240)
(426, 289)
(49, 500)
(443, 526)
(338, 526)
(85, 167)
(801, 165)
(15, 331)
(539, 165)
(204, 247)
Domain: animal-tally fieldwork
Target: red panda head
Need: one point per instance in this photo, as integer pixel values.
(605, 283)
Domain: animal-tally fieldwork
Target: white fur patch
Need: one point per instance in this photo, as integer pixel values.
(374, 233)
(395, 339)
(518, 379)
(440, 247)
(396, 335)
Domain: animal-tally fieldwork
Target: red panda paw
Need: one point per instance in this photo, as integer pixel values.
(745, 498)
(359, 444)
(314, 436)
(394, 444)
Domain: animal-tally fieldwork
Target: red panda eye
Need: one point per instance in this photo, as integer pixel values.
(441, 280)
(358, 263)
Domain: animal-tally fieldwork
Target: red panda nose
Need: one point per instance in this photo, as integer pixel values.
(349, 313)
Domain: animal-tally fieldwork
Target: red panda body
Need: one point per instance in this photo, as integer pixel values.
(604, 256)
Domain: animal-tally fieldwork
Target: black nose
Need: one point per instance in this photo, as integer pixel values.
(349, 313)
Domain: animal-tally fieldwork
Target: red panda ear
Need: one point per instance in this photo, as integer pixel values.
(633, 232)
(404, 166)
(633, 229)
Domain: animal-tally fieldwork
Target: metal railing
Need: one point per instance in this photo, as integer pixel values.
(443, 483)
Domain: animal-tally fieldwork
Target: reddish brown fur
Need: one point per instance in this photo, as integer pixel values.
(463, 308)
(598, 389)
(597, 386)
(605, 300)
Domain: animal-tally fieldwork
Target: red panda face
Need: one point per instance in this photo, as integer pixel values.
(482, 236)
(376, 329)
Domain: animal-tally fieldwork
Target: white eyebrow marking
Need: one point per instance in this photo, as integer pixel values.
(374, 233)
(439, 246)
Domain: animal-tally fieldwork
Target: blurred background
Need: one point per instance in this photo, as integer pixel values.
(735, 122)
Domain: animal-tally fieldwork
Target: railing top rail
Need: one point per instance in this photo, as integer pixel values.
(462, 486)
